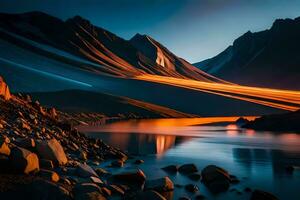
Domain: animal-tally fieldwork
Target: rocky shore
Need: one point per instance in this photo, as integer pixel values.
(43, 157)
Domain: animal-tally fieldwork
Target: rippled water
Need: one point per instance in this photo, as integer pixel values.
(258, 159)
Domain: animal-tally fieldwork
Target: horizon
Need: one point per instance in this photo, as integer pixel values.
(206, 34)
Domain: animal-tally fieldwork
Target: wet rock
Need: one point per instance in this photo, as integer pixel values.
(171, 168)
(116, 190)
(262, 195)
(88, 191)
(46, 164)
(215, 178)
(188, 169)
(191, 188)
(135, 176)
(148, 195)
(4, 149)
(138, 162)
(117, 163)
(49, 175)
(23, 161)
(105, 191)
(85, 171)
(83, 155)
(194, 176)
(27, 143)
(52, 150)
(234, 179)
(160, 185)
(90, 196)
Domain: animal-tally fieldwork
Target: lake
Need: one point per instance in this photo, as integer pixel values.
(257, 158)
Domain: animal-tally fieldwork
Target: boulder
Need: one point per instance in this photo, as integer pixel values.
(262, 195)
(148, 195)
(188, 169)
(135, 176)
(85, 171)
(51, 150)
(23, 161)
(160, 185)
(117, 163)
(171, 168)
(194, 176)
(87, 191)
(90, 196)
(4, 164)
(215, 178)
(49, 175)
(27, 143)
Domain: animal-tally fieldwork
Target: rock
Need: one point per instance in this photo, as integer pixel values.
(215, 178)
(49, 175)
(184, 198)
(116, 190)
(242, 121)
(46, 164)
(85, 188)
(23, 161)
(83, 155)
(53, 113)
(187, 169)
(160, 185)
(52, 150)
(85, 171)
(27, 143)
(4, 90)
(40, 189)
(135, 176)
(102, 172)
(105, 191)
(117, 163)
(191, 188)
(96, 180)
(262, 195)
(194, 176)
(171, 168)
(4, 164)
(148, 195)
(138, 162)
(4, 149)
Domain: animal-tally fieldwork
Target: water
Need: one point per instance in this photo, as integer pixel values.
(258, 159)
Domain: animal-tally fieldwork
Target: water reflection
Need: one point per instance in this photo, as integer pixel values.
(140, 144)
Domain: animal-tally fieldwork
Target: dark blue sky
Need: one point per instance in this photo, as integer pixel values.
(192, 29)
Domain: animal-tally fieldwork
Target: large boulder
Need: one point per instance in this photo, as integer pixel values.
(23, 161)
(51, 150)
(215, 178)
(4, 90)
(135, 176)
(160, 185)
(85, 171)
(262, 195)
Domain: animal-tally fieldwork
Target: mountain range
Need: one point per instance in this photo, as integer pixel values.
(268, 58)
(44, 55)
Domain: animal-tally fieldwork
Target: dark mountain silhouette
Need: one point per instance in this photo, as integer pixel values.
(108, 53)
(268, 58)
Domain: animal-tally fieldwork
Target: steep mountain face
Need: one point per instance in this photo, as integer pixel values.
(100, 51)
(268, 58)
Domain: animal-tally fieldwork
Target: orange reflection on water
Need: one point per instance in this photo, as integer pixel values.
(232, 130)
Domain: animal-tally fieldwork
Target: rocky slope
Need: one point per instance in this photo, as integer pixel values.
(267, 58)
(95, 48)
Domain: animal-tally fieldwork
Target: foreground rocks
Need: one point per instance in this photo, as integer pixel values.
(215, 178)
(23, 161)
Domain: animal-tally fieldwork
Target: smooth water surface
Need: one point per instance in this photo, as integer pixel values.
(258, 159)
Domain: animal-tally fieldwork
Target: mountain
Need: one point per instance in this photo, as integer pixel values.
(97, 49)
(267, 58)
